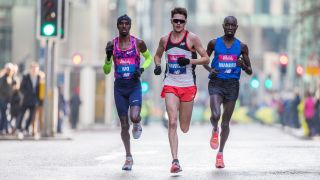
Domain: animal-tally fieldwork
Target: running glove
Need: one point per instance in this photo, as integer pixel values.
(109, 51)
(182, 61)
(157, 70)
(137, 73)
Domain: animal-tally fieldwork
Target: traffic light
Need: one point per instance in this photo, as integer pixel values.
(49, 12)
(299, 70)
(283, 64)
(76, 59)
(268, 82)
(144, 87)
(254, 82)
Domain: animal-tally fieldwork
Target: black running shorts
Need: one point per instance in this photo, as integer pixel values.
(228, 89)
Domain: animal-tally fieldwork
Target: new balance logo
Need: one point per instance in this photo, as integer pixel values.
(182, 44)
(227, 71)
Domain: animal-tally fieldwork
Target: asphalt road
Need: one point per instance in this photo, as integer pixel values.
(252, 152)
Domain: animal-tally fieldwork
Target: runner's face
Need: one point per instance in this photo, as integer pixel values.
(124, 27)
(178, 22)
(230, 27)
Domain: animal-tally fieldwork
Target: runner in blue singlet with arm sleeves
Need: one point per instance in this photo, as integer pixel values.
(125, 51)
(230, 56)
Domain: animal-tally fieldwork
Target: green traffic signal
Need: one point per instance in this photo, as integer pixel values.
(268, 83)
(48, 29)
(254, 83)
(144, 87)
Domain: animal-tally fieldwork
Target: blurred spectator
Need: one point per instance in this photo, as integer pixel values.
(309, 111)
(294, 110)
(15, 105)
(61, 109)
(38, 123)
(16, 99)
(75, 103)
(317, 113)
(6, 90)
(30, 90)
(280, 110)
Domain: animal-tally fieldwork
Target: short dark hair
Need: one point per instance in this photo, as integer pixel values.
(179, 10)
(124, 17)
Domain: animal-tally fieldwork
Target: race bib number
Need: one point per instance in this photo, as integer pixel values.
(227, 63)
(173, 65)
(126, 67)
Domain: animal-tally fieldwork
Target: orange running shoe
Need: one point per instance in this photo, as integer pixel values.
(175, 168)
(214, 141)
(219, 160)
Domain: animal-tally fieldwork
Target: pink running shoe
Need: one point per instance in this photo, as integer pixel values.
(214, 141)
(219, 160)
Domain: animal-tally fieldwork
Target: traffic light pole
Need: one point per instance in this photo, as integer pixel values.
(50, 94)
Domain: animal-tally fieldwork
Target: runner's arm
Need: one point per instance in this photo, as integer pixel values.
(107, 65)
(210, 48)
(145, 53)
(159, 52)
(246, 64)
(108, 60)
(202, 52)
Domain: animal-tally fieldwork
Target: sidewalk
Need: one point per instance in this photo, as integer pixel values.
(66, 135)
(33, 138)
(298, 133)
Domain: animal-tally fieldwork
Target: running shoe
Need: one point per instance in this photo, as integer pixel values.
(175, 167)
(128, 164)
(214, 140)
(219, 160)
(136, 130)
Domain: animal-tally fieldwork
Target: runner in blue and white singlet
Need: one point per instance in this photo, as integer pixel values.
(230, 56)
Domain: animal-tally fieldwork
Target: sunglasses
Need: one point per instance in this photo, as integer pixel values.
(181, 21)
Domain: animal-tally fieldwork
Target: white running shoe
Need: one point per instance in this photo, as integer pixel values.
(128, 164)
(136, 130)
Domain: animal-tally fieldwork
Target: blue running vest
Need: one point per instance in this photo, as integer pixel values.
(225, 59)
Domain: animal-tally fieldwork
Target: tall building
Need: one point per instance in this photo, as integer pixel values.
(304, 45)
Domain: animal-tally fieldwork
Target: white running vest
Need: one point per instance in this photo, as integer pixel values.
(175, 75)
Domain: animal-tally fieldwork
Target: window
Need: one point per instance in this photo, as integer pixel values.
(262, 6)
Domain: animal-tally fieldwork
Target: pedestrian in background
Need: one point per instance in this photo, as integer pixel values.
(62, 111)
(6, 90)
(309, 112)
(75, 103)
(38, 124)
(15, 105)
(294, 110)
(30, 89)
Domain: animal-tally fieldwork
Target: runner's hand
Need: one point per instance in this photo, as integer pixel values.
(137, 73)
(241, 63)
(213, 73)
(182, 61)
(109, 51)
(157, 70)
